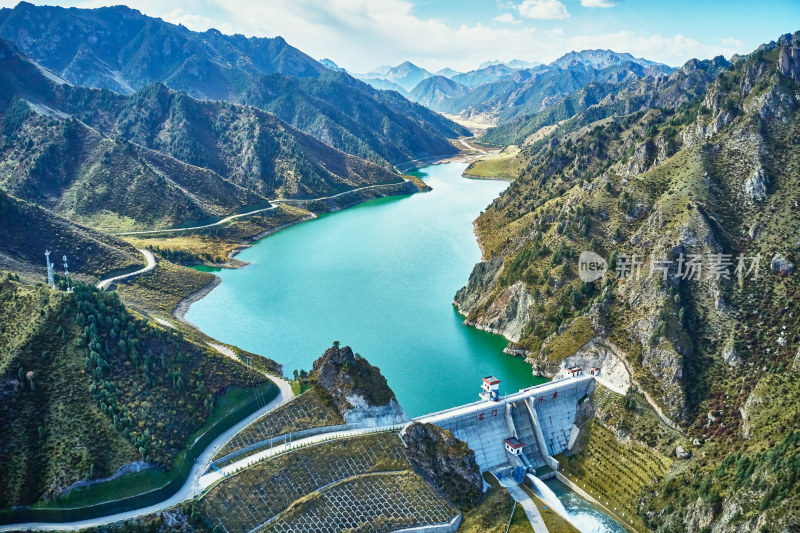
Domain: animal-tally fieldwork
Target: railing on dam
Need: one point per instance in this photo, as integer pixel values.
(512, 397)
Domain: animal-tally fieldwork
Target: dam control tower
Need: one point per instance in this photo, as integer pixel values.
(490, 389)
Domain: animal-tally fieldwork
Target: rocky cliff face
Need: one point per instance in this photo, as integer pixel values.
(445, 460)
(358, 388)
(506, 315)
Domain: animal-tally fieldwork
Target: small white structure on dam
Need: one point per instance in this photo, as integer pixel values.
(490, 389)
(524, 429)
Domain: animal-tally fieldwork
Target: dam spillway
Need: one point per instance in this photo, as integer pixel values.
(540, 418)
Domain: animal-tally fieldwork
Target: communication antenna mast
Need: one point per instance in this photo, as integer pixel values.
(66, 274)
(50, 280)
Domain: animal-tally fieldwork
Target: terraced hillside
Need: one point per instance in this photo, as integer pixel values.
(295, 488)
(379, 502)
(313, 409)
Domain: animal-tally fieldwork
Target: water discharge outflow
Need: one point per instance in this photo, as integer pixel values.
(548, 496)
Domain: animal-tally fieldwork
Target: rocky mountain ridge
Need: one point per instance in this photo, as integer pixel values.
(205, 158)
(700, 164)
(121, 49)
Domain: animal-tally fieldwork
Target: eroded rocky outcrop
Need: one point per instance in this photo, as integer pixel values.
(506, 314)
(358, 388)
(601, 353)
(445, 460)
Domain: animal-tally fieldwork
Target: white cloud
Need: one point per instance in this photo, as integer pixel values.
(598, 3)
(732, 42)
(543, 9)
(507, 18)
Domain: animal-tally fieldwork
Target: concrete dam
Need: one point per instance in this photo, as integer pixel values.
(522, 430)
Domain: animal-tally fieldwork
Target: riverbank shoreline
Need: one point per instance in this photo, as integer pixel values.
(183, 306)
(488, 178)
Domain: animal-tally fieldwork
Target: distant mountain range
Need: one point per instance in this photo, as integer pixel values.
(504, 91)
(121, 49)
(407, 75)
(514, 63)
(529, 91)
(600, 59)
(611, 98)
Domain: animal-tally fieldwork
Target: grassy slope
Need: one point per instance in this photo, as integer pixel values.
(501, 166)
(214, 245)
(94, 420)
(76, 440)
(611, 463)
(26, 231)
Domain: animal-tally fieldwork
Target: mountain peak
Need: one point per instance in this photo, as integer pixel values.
(405, 75)
(331, 64)
(599, 59)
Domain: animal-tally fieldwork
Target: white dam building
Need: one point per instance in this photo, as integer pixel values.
(522, 430)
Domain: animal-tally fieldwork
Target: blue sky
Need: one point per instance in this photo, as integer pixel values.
(361, 34)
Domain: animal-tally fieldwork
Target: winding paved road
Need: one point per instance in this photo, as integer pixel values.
(470, 147)
(262, 210)
(217, 223)
(191, 488)
(151, 264)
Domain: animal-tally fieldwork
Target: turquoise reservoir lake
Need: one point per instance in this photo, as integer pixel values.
(379, 277)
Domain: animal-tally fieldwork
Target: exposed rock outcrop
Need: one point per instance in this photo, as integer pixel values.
(445, 460)
(781, 265)
(789, 58)
(481, 280)
(506, 314)
(601, 353)
(642, 159)
(756, 184)
(358, 388)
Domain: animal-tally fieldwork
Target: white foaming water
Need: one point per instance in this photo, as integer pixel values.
(548, 496)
